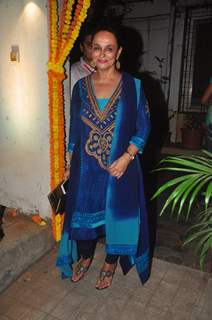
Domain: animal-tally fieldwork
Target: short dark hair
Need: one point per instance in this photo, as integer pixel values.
(113, 28)
(86, 30)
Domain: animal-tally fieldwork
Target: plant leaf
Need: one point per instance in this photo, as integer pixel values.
(194, 194)
(208, 195)
(195, 178)
(205, 250)
(205, 214)
(176, 169)
(183, 190)
(188, 160)
(203, 239)
(187, 192)
(169, 184)
(207, 153)
(191, 164)
(195, 235)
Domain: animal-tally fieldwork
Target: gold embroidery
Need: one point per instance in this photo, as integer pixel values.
(99, 144)
(102, 124)
(88, 122)
(101, 115)
(93, 126)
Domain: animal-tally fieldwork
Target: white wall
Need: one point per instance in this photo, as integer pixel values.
(155, 34)
(149, 8)
(154, 21)
(24, 122)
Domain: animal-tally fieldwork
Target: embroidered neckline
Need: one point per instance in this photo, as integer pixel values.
(91, 95)
(101, 122)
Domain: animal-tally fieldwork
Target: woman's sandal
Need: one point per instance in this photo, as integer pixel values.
(106, 274)
(80, 270)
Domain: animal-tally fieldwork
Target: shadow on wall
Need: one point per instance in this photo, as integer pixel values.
(131, 62)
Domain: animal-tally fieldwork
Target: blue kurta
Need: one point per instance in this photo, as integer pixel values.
(97, 203)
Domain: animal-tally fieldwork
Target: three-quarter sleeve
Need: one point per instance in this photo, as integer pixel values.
(74, 118)
(142, 122)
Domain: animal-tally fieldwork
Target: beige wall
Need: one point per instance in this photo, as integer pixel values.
(24, 123)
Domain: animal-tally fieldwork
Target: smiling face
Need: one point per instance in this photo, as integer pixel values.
(105, 50)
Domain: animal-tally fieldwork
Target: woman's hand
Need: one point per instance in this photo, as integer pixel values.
(118, 167)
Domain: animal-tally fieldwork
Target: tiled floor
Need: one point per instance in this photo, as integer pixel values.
(174, 292)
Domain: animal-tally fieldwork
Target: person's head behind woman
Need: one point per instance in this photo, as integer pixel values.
(106, 47)
(85, 40)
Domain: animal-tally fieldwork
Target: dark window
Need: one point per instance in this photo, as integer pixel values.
(202, 61)
(197, 61)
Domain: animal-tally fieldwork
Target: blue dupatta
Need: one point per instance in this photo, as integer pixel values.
(126, 225)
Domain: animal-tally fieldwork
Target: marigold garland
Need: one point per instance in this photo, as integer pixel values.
(63, 31)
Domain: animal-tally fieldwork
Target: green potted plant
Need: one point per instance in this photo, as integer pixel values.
(195, 179)
(192, 132)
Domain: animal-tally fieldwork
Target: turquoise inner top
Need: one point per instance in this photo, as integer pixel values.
(102, 102)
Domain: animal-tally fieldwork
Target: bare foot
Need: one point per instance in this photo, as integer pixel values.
(106, 276)
(80, 269)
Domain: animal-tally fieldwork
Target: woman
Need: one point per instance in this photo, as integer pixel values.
(207, 99)
(109, 126)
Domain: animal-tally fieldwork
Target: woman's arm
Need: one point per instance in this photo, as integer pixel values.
(137, 141)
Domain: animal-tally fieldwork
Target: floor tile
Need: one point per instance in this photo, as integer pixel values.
(173, 292)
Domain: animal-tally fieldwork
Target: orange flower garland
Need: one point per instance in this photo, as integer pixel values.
(61, 41)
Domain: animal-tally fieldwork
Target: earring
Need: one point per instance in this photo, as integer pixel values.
(92, 64)
(118, 64)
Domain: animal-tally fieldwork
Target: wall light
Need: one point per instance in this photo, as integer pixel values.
(31, 10)
(15, 54)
